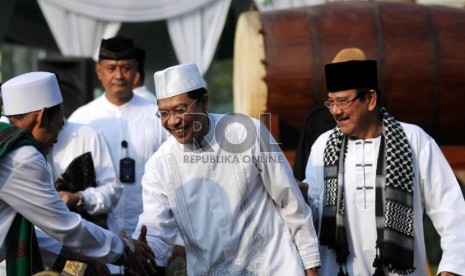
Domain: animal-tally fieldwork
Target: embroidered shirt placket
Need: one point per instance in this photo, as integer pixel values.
(200, 265)
(255, 239)
(364, 188)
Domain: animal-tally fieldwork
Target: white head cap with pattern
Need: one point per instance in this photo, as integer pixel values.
(177, 80)
(30, 92)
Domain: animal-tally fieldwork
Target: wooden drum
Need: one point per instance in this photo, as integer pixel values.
(279, 60)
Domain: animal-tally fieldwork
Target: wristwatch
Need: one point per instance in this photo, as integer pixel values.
(81, 201)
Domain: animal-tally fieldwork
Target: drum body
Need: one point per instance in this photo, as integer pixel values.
(420, 52)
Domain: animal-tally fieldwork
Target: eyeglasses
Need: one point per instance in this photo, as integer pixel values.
(342, 104)
(176, 112)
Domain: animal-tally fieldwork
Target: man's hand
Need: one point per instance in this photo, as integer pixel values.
(70, 199)
(311, 272)
(178, 252)
(142, 260)
(97, 268)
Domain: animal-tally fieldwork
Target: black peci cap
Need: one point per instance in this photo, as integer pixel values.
(351, 74)
(117, 48)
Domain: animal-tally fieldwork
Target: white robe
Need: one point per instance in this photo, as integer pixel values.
(74, 140)
(235, 218)
(135, 122)
(25, 187)
(435, 190)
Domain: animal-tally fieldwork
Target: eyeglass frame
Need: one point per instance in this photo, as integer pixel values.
(342, 104)
(176, 112)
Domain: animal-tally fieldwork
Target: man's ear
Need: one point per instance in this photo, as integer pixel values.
(372, 100)
(97, 70)
(136, 80)
(204, 103)
(41, 118)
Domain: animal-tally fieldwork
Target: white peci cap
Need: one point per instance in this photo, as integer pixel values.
(30, 92)
(177, 80)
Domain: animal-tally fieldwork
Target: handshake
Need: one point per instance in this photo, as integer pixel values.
(137, 257)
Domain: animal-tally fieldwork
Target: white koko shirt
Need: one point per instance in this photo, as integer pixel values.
(236, 216)
(435, 190)
(136, 123)
(25, 187)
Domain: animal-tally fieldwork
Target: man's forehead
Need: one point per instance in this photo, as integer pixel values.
(175, 101)
(342, 94)
(119, 62)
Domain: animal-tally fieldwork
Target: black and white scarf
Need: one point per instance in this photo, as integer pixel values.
(394, 199)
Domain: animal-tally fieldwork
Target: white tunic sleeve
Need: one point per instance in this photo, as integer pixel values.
(49, 248)
(444, 204)
(314, 177)
(281, 185)
(28, 190)
(157, 216)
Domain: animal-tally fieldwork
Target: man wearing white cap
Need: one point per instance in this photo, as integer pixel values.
(223, 182)
(33, 103)
(97, 192)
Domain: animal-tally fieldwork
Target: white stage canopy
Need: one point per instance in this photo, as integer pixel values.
(194, 26)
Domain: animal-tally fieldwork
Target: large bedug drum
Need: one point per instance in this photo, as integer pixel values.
(280, 56)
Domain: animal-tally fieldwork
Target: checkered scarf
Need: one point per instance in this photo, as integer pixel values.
(394, 199)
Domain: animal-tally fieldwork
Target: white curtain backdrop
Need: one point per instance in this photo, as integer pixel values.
(76, 35)
(129, 10)
(195, 35)
(194, 26)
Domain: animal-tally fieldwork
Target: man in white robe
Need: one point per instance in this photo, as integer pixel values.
(128, 123)
(74, 140)
(26, 190)
(361, 180)
(236, 205)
